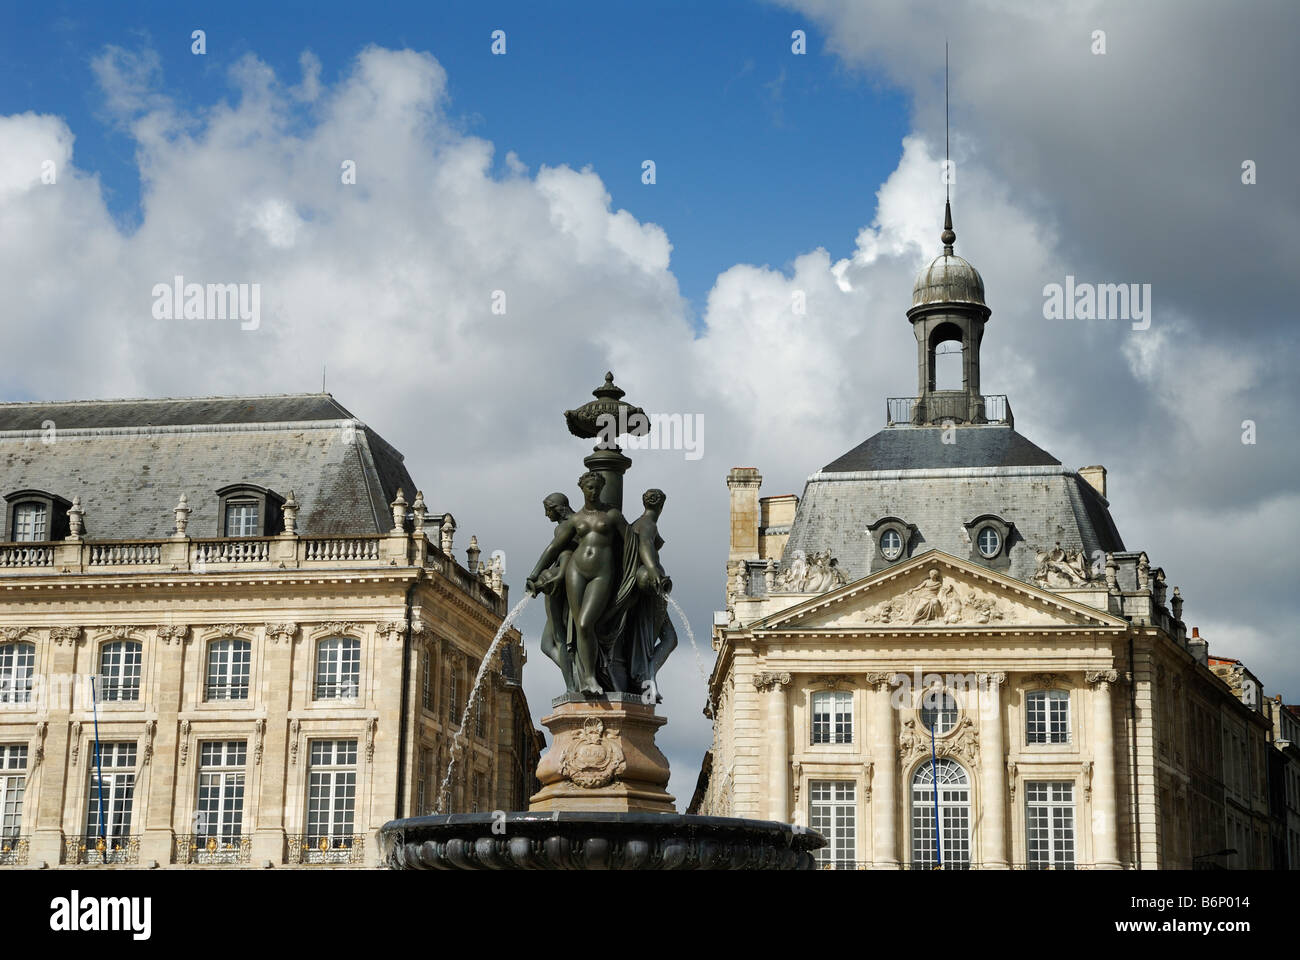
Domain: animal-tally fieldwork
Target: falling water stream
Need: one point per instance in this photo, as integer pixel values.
(458, 743)
(699, 661)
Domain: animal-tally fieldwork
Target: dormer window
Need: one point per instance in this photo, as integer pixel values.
(241, 518)
(247, 510)
(31, 522)
(893, 537)
(34, 516)
(990, 539)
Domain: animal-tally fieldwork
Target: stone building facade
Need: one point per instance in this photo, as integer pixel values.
(947, 628)
(233, 599)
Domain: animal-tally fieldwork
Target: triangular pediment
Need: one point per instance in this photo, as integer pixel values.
(936, 591)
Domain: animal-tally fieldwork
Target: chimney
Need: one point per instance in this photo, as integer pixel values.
(743, 483)
(1096, 477)
(1199, 648)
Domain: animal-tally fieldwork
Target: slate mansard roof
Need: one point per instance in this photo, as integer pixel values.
(909, 473)
(130, 460)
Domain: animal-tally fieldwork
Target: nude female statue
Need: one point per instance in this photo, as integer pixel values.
(550, 581)
(592, 574)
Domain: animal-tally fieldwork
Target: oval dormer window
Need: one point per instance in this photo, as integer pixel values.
(891, 544)
(989, 542)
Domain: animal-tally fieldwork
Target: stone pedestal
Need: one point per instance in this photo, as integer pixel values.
(603, 758)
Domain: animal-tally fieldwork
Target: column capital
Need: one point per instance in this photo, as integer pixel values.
(1101, 679)
(883, 681)
(771, 681)
(992, 679)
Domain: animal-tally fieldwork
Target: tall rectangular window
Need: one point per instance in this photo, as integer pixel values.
(229, 662)
(338, 669)
(1049, 821)
(119, 671)
(453, 694)
(420, 781)
(17, 667)
(426, 681)
(113, 792)
(13, 784)
(221, 790)
(832, 716)
(832, 812)
(331, 792)
(241, 519)
(1047, 716)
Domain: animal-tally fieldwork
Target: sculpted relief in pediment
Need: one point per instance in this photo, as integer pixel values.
(939, 600)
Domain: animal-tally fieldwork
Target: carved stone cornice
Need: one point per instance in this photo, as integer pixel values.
(170, 633)
(771, 681)
(62, 635)
(281, 632)
(1102, 679)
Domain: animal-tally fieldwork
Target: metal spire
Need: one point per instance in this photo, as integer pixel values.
(948, 237)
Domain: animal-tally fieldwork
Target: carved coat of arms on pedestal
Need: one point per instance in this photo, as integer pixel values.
(594, 758)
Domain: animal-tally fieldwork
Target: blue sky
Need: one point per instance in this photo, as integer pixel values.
(720, 104)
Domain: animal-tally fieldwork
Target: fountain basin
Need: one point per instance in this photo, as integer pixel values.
(582, 840)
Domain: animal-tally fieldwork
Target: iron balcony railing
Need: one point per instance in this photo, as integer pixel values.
(310, 848)
(212, 849)
(102, 850)
(948, 865)
(956, 406)
(13, 849)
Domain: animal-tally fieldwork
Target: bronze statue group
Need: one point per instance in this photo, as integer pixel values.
(607, 625)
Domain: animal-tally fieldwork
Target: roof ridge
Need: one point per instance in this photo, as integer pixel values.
(193, 399)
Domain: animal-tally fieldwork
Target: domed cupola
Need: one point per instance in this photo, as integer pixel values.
(948, 278)
(948, 307)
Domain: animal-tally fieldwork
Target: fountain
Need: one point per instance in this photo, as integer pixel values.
(603, 802)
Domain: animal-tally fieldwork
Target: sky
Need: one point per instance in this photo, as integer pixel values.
(522, 174)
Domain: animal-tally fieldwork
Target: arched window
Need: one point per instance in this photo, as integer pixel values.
(338, 669)
(947, 370)
(17, 664)
(951, 845)
(119, 670)
(228, 668)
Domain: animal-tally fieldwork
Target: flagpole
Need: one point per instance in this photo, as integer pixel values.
(99, 762)
(934, 778)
